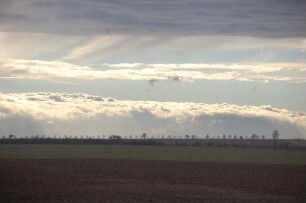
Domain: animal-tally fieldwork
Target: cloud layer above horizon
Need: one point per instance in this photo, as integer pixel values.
(35, 69)
(62, 113)
(234, 60)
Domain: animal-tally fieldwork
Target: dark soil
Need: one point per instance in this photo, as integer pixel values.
(96, 180)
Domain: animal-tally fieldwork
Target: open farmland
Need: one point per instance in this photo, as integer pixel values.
(97, 180)
(235, 155)
(95, 173)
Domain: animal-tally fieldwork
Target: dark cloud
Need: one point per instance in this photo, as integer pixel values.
(57, 98)
(153, 81)
(220, 124)
(174, 78)
(147, 121)
(95, 98)
(35, 99)
(110, 99)
(273, 18)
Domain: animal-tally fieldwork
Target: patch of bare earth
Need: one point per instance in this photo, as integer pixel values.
(96, 180)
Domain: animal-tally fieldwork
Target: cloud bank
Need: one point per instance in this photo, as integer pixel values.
(63, 113)
(35, 69)
(273, 18)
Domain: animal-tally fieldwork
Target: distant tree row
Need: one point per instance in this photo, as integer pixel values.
(275, 136)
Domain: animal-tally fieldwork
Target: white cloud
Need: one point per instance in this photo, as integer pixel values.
(73, 108)
(35, 69)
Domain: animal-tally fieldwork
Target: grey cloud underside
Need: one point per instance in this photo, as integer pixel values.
(145, 122)
(273, 18)
(63, 113)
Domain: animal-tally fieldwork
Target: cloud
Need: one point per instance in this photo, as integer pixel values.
(152, 81)
(274, 18)
(50, 70)
(103, 43)
(57, 98)
(36, 45)
(148, 48)
(163, 117)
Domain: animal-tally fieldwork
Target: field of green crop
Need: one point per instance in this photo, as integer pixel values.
(298, 142)
(233, 155)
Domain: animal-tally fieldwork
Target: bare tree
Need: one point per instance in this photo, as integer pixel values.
(117, 137)
(11, 136)
(187, 136)
(275, 136)
(253, 136)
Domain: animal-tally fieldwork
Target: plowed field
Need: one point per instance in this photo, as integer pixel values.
(98, 180)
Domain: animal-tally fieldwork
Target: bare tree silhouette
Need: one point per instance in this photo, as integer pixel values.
(275, 136)
(11, 136)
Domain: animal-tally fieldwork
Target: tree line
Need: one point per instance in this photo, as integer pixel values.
(275, 136)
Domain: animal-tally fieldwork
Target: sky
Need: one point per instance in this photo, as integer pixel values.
(161, 67)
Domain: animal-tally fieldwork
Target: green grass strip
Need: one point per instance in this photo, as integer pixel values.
(207, 154)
